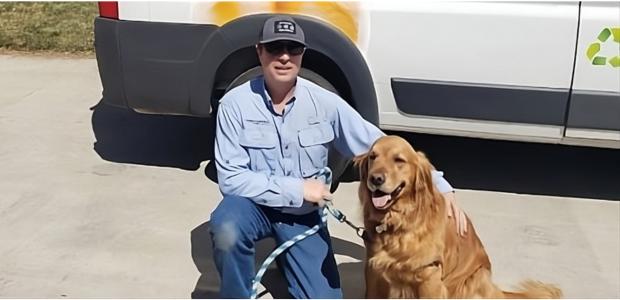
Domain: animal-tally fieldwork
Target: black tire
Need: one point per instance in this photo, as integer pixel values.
(336, 162)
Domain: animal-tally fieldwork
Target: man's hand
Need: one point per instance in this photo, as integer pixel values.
(316, 191)
(453, 210)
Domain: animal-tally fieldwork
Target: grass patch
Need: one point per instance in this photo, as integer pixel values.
(65, 27)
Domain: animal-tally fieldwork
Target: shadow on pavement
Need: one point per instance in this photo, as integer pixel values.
(125, 136)
(526, 168)
(351, 274)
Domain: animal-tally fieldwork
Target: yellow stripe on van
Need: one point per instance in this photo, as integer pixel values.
(339, 14)
(225, 12)
(342, 15)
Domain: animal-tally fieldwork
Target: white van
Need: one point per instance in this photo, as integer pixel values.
(526, 71)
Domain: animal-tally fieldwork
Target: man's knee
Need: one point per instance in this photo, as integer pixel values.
(229, 224)
(224, 235)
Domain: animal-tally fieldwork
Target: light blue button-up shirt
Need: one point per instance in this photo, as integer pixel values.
(265, 156)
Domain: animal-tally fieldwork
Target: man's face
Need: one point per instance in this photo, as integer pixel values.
(280, 60)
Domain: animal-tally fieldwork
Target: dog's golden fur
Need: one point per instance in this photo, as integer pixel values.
(419, 254)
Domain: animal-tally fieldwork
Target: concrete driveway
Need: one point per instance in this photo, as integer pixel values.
(107, 203)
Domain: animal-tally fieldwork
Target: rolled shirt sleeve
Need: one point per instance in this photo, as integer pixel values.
(441, 183)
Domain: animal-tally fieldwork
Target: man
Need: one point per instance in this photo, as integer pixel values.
(272, 136)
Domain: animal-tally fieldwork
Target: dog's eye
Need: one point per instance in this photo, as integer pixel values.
(399, 160)
(372, 156)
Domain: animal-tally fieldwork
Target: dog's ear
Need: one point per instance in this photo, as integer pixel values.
(423, 178)
(361, 163)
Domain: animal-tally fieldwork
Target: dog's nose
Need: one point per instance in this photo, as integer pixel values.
(377, 179)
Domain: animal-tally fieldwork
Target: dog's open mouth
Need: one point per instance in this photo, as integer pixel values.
(382, 200)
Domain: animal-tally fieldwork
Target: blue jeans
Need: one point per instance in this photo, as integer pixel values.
(309, 266)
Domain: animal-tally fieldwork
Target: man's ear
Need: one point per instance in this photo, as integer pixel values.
(361, 163)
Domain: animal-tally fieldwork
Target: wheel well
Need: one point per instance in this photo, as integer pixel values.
(327, 68)
(245, 58)
(234, 64)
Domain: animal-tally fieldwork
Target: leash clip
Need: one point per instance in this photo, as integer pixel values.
(361, 232)
(336, 213)
(340, 217)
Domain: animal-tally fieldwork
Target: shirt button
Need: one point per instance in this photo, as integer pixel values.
(286, 147)
(290, 203)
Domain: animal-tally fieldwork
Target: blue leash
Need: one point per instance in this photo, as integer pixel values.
(326, 174)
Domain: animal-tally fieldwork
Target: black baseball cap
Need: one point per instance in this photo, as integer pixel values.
(280, 28)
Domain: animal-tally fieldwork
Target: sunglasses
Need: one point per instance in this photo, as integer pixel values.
(278, 48)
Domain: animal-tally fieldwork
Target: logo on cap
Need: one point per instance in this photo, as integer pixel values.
(284, 27)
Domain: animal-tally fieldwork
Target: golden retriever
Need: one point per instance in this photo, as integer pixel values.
(413, 250)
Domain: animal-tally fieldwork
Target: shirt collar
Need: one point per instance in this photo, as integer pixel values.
(267, 98)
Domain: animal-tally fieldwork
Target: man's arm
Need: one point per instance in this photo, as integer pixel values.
(233, 172)
(355, 136)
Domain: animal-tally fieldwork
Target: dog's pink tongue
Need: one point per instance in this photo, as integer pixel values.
(381, 201)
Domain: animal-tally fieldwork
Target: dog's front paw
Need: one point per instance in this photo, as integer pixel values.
(381, 261)
(391, 269)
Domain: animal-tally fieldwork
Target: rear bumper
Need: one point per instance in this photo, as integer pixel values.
(155, 67)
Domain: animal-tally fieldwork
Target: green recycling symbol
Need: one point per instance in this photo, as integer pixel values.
(595, 47)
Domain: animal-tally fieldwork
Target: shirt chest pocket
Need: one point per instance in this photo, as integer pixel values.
(314, 141)
(261, 144)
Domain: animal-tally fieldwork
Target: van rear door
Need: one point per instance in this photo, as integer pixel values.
(594, 107)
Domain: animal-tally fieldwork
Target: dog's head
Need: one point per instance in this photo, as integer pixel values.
(393, 176)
